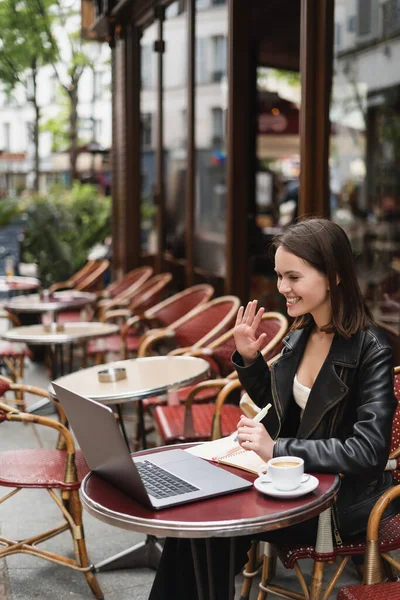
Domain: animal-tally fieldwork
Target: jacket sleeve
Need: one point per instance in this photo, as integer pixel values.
(365, 453)
(255, 379)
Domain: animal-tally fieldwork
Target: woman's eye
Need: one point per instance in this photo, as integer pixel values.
(293, 278)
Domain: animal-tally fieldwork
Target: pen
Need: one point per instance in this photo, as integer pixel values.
(259, 417)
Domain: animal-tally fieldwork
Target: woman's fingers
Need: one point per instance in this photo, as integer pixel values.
(239, 316)
(257, 318)
(251, 312)
(261, 341)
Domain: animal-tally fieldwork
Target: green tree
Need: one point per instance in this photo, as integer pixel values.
(24, 49)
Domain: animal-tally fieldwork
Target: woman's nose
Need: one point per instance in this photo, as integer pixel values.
(283, 287)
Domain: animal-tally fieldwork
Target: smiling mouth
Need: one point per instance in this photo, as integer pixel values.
(292, 301)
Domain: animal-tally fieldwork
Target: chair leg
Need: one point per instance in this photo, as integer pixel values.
(250, 570)
(268, 570)
(316, 580)
(78, 535)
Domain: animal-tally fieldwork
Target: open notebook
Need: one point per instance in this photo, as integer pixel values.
(218, 450)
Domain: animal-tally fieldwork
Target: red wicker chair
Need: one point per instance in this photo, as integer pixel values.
(57, 472)
(372, 588)
(87, 279)
(389, 539)
(196, 329)
(162, 315)
(118, 291)
(199, 419)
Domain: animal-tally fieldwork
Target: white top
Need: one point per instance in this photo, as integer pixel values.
(300, 393)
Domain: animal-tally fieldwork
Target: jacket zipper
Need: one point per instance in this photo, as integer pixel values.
(275, 399)
(344, 379)
(338, 539)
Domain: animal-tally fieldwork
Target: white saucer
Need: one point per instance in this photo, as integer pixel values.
(304, 488)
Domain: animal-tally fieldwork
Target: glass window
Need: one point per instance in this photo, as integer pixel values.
(365, 150)
(6, 136)
(211, 104)
(148, 104)
(175, 130)
(219, 57)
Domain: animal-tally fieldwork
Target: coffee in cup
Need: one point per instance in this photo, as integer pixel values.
(286, 473)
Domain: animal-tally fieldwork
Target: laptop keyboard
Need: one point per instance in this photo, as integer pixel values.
(161, 483)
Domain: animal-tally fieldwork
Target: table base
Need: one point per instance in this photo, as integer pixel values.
(146, 554)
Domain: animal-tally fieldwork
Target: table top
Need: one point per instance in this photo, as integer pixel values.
(36, 334)
(18, 284)
(240, 513)
(53, 303)
(146, 377)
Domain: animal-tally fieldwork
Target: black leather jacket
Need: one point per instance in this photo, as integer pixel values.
(346, 425)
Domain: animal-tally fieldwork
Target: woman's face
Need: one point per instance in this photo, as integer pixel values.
(305, 288)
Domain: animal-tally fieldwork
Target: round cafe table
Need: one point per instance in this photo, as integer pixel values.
(55, 340)
(145, 378)
(17, 285)
(50, 303)
(242, 513)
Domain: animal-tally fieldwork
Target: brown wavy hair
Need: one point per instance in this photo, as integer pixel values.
(326, 247)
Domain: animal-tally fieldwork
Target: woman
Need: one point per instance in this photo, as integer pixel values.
(331, 392)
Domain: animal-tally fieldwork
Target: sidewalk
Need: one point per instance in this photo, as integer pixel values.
(23, 577)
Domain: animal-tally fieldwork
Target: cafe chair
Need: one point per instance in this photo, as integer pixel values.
(201, 417)
(123, 292)
(197, 328)
(119, 290)
(160, 316)
(13, 355)
(372, 587)
(325, 551)
(60, 473)
(87, 279)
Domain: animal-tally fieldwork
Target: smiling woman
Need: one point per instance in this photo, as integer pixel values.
(331, 392)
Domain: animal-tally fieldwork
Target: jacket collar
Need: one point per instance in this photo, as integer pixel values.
(330, 386)
(343, 352)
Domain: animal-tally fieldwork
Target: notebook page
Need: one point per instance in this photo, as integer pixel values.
(244, 459)
(217, 448)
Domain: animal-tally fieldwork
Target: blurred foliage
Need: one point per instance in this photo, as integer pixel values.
(62, 227)
(9, 210)
(24, 47)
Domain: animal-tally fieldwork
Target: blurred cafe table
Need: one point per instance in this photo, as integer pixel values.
(144, 378)
(50, 304)
(12, 286)
(242, 513)
(55, 336)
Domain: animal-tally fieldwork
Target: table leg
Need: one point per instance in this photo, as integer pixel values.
(146, 554)
(211, 588)
(197, 570)
(232, 568)
(142, 428)
(122, 425)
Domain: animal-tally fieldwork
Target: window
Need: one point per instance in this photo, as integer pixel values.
(364, 17)
(217, 126)
(5, 145)
(147, 75)
(28, 134)
(351, 24)
(98, 86)
(338, 35)
(218, 2)
(147, 133)
(202, 75)
(391, 17)
(219, 57)
(98, 129)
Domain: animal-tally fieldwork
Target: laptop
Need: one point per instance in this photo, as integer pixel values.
(158, 479)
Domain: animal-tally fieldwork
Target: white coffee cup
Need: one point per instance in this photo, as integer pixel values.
(286, 473)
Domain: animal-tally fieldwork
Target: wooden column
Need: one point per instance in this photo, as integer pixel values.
(159, 195)
(239, 148)
(126, 150)
(191, 142)
(316, 57)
